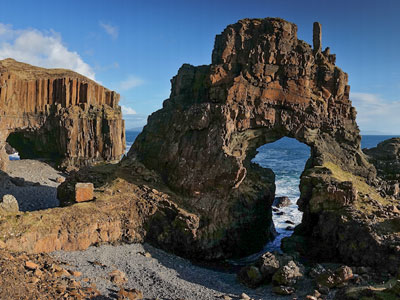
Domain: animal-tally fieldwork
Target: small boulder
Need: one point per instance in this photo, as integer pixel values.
(83, 192)
(250, 276)
(131, 294)
(344, 273)
(9, 203)
(281, 201)
(288, 274)
(283, 290)
(117, 277)
(60, 179)
(268, 264)
(316, 271)
(31, 265)
(244, 296)
(334, 279)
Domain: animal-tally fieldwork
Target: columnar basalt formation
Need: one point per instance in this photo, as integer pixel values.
(59, 114)
(263, 84)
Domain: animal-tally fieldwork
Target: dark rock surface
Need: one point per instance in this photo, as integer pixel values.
(58, 114)
(263, 84)
(281, 202)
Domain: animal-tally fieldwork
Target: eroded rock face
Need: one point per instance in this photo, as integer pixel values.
(263, 84)
(58, 114)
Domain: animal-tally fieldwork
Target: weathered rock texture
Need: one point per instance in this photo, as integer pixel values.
(188, 184)
(263, 84)
(59, 114)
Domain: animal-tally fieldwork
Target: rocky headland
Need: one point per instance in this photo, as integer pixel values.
(188, 185)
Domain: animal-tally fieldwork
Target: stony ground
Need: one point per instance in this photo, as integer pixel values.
(159, 275)
(33, 183)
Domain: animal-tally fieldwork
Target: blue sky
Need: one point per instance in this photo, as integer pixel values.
(136, 47)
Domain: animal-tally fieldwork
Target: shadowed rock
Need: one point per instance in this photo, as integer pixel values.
(263, 84)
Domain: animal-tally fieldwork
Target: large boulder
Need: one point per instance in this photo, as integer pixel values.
(9, 203)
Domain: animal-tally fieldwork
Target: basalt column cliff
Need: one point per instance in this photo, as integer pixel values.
(263, 84)
(58, 114)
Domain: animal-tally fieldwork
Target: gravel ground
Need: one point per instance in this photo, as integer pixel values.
(38, 188)
(161, 276)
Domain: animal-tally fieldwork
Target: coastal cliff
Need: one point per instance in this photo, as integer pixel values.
(58, 114)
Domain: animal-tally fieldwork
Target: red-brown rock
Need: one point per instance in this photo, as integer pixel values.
(83, 192)
(59, 114)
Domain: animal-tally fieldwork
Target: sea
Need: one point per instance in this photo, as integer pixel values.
(287, 158)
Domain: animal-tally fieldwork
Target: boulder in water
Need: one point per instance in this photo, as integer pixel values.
(281, 201)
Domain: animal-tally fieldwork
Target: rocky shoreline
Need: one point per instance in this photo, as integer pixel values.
(188, 185)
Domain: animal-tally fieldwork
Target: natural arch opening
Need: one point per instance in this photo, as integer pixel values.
(30, 145)
(287, 158)
(31, 177)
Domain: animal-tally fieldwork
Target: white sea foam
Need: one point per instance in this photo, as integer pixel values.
(14, 156)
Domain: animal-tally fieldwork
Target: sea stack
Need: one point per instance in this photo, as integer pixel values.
(317, 37)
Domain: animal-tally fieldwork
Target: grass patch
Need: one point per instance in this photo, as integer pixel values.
(360, 185)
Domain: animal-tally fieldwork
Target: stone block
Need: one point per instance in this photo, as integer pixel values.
(83, 192)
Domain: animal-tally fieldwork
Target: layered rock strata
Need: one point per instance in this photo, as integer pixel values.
(59, 114)
(263, 84)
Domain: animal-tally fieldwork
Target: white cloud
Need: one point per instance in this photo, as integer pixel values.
(44, 49)
(376, 114)
(135, 121)
(128, 110)
(110, 30)
(130, 83)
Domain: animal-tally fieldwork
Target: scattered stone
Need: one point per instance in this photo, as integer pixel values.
(129, 294)
(288, 274)
(283, 290)
(250, 276)
(117, 277)
(9, 203)
(268, 264)
(334, 279)
(109, 192)
(281, 202)
(83, 192)
(60, 179)
(31, 265)
(75, 273)
(147, 254)
(316, 271)
(244, 296)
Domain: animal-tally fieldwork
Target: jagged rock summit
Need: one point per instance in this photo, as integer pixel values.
(58, 114)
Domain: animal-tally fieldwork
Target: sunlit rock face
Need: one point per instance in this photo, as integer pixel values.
(58, 114)
(263, 84)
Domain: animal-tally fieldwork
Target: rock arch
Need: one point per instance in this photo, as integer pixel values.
(58, 113)
(263, 84)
